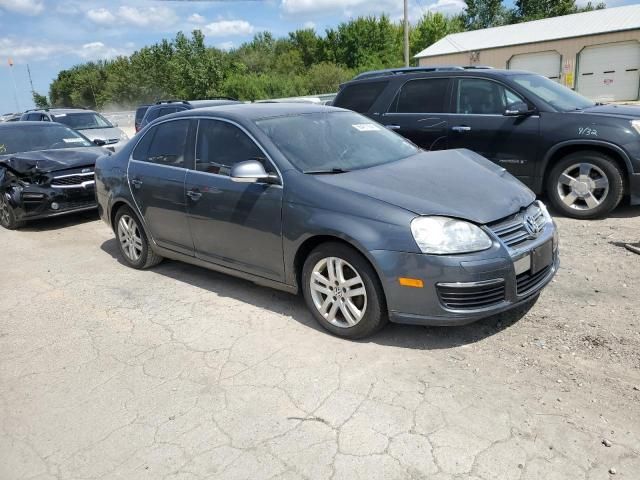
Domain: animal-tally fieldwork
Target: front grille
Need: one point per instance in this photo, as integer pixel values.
(471, 296)
(512, 230)
(526, 282)
(73, 180)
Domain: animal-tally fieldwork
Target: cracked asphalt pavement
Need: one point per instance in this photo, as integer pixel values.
(180, 373)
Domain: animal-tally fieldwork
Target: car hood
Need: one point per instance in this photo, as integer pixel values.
(453, 183)
(109, 135)
(45, 161)
(625, 111)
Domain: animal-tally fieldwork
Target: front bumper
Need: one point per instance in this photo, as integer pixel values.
(33, 202)
(494, 267)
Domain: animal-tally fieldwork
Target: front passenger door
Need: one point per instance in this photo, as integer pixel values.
(157, 172)
(237, 225)
(418, 112)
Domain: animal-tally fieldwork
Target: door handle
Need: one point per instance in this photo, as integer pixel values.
(393, 127)
(194, 195)
(461, 128)
(136, 183)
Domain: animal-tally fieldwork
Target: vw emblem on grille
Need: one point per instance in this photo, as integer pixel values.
(531, 226)
(86, 170)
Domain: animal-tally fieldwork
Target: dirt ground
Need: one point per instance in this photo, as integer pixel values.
(183, 374)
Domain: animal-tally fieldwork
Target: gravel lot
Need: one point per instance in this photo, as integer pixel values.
(180, 373)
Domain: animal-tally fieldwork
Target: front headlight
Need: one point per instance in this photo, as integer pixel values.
(123, 136)
(636, 125)
(443, 235)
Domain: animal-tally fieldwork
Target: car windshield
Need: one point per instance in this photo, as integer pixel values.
(82, 120)
(333, 142)
(558, 96)
(20, 138)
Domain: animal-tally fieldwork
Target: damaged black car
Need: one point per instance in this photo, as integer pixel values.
(46, 170)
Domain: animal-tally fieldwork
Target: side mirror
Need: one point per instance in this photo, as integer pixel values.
(517, 109)
(115, 124)
(250, 171)
(98, 142)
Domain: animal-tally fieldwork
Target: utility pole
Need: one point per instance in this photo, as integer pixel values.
(33, 91)
(406, 33)
(15, 87)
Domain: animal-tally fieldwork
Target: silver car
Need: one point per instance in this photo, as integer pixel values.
(91, 124)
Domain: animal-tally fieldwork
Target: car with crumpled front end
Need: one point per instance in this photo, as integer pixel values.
(46, 170)
(326, 202)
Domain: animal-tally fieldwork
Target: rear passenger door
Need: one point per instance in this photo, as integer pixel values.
(419, 112)
(479, 124)
(157, 172)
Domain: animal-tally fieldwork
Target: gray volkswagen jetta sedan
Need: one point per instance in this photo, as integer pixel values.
(326, 202)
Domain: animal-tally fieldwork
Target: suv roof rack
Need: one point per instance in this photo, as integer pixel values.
(187, 102)
(406, 70)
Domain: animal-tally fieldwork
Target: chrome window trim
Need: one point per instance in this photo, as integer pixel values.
(251, 137)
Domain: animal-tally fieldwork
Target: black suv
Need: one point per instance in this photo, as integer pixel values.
(584, 156)
(166, 107)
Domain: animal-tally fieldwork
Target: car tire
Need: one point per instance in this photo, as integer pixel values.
(343, 291)
(133, 243)
(597, 188)
(8, 215)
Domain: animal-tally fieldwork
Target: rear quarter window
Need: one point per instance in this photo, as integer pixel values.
(360, 97)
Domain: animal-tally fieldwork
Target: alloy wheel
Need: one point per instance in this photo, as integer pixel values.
(583, 186)
(130, 238)
(338, 292)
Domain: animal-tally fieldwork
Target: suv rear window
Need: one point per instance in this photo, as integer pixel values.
(359, 97)
(422, 96)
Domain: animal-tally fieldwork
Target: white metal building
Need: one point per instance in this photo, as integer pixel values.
(597, 53)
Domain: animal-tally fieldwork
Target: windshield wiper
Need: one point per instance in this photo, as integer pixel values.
(326, 171)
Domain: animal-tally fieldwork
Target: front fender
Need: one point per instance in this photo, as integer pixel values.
(303, 222)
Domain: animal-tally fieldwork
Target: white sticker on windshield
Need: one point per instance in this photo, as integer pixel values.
(73, 140)
(366, 127)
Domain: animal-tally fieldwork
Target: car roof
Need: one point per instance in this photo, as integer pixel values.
(256, 111)
(417, 72)
(61, 110)
(25, 123)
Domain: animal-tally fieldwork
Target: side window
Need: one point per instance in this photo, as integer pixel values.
(476, 96)
(220, 145)
(45, 118)
(164, 144)
(153, 114)
(422, 96)
(360, 97)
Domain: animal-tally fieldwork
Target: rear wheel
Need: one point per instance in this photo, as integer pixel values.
(585, 185)
(343, 291)
(8, 215)
(133, 242)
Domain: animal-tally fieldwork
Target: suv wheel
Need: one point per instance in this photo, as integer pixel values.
(7, 215)
(132, 241)
(343, 291)
(585, 185)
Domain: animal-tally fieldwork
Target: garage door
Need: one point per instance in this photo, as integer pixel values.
(542, 63)
(609, 72)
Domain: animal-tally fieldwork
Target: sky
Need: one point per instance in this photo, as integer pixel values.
(51, 35)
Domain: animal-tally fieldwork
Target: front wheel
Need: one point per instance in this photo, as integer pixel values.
(8, 215)
(343, 291)
(585, 185)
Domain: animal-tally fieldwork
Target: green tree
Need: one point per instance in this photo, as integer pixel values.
(431, 28)
(527, 10)
(40, 101)
(483, 14)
